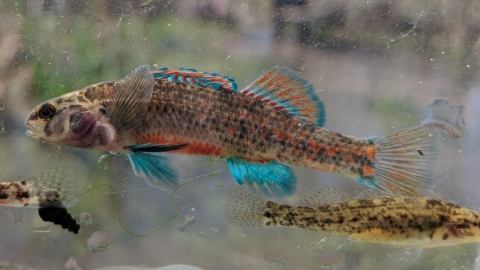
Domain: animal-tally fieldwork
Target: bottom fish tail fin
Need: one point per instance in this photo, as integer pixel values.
(155, 169)
(404, 162)
(57, 181)
(244, 209)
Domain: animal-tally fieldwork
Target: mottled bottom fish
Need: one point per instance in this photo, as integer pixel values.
(49, 190)
(374, 217)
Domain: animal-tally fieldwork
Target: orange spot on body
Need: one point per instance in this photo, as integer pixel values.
(368, 171)
(282, 134)
(371, 150)
(194, 148)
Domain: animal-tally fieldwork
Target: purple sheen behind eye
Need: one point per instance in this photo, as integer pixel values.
(84, 124)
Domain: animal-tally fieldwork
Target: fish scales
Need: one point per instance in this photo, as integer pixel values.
(240, 126)
(231, 124)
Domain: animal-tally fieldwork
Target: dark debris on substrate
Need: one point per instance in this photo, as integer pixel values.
(51, 209)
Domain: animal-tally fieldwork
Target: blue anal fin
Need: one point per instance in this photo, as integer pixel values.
(369, 182)
(271, 179)
(155, 169)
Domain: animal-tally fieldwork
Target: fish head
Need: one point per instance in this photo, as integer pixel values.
(462, 232)
(70, 119)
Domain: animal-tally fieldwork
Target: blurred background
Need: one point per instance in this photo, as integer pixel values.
(376, 64)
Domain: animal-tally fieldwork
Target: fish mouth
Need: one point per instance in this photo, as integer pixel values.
(32, 130)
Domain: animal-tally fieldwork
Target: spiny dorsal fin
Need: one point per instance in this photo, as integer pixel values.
(193, 77)
(284, 89)
(326, 195)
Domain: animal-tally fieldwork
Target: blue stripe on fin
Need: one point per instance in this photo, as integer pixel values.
(155, 169)
(369, 182)
(271, 179)
(155, 148)
(284, 89)
(193, 77)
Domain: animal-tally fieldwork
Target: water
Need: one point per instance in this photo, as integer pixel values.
(375, 65)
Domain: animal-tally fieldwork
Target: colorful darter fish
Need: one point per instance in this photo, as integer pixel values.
(51, 191)
(374, 216)
(277, 119)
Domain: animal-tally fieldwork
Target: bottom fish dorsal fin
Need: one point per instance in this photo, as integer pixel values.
(271, 179)
(155, 169)
(326, 195)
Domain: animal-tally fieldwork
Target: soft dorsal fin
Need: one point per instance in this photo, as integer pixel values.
(326, 195)
(284, 89)
(193, 77)
(370, 194)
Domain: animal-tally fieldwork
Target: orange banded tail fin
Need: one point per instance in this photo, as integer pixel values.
(404, 162)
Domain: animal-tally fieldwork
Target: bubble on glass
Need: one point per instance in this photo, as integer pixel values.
(275, 257)
(86, 218)
(71, 264)
(440, 114)
(186, 221)
(2, 127)
(99, 241)
(332, 261)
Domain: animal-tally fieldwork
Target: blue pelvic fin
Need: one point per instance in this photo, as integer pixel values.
(155, 169)
(193, 77)
(155, 148)
(284, 89)
(271, 179)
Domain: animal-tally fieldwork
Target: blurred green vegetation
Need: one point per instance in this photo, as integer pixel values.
(69, 55)
(78, 47)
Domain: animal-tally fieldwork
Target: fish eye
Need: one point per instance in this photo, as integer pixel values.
(46, 111)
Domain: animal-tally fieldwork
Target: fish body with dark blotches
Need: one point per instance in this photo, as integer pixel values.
(387, 219)
(274, 121)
